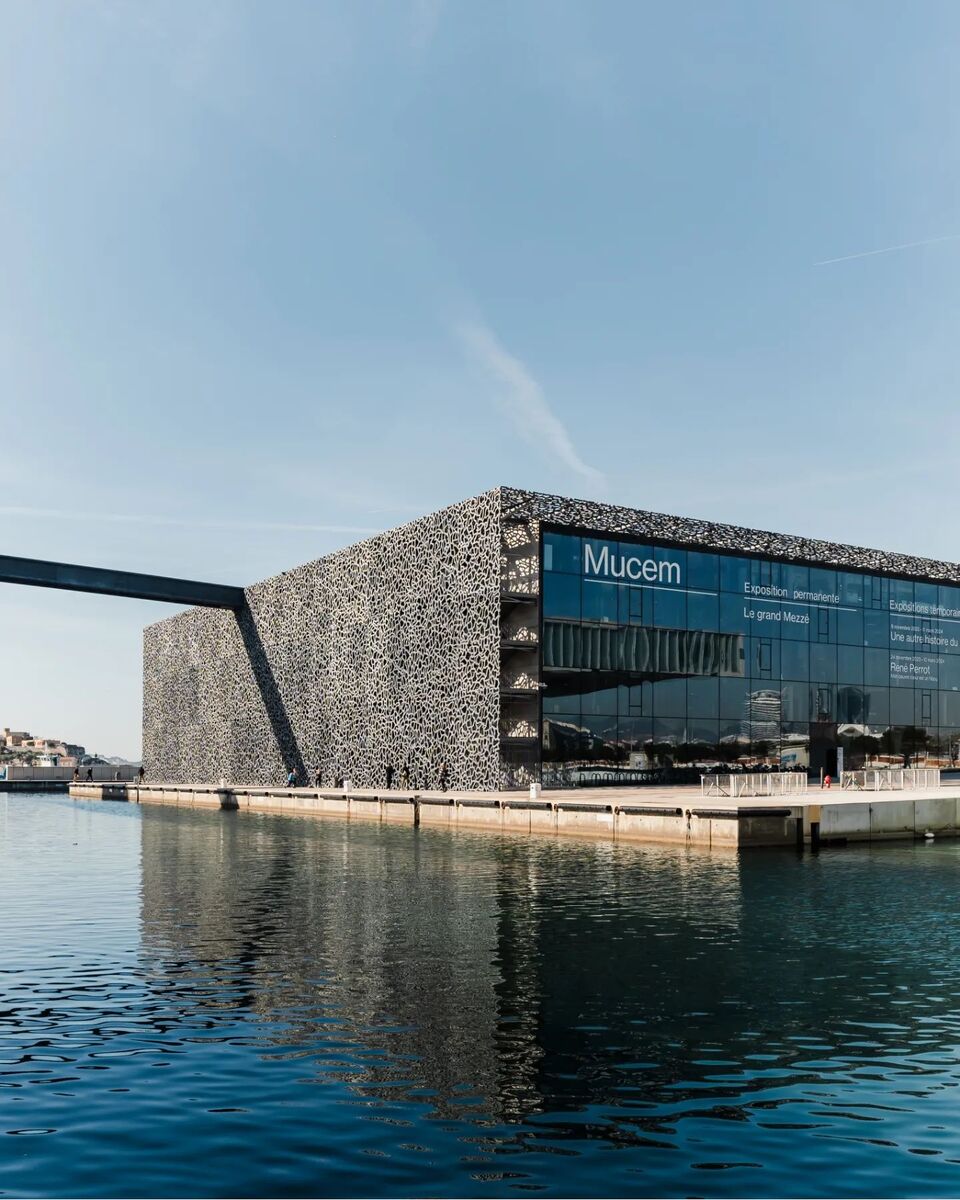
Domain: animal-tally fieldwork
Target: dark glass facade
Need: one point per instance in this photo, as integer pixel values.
(662, 660)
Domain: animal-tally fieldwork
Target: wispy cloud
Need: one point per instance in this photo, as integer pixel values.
(950, 237)
(65, 514)
(523, 399)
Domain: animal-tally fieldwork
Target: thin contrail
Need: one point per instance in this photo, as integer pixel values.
(951, 237)
(524, 398)
(59, 514)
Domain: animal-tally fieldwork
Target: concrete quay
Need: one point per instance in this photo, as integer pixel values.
(678, 816)
(34, 785)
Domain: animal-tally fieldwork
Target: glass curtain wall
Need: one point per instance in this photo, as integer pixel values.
(658, 661)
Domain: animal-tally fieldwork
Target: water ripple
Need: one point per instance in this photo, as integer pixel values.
(210, 1003)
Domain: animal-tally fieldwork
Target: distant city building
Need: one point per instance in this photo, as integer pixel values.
(52, 752)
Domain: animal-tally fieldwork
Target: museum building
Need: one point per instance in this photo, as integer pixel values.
(519, 636)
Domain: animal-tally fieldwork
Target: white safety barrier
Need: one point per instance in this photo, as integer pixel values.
(891, 779)
(101, 774)
(766, 783)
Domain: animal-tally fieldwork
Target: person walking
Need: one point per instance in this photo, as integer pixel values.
(89, 774)
(405, 775)
(318, 777)
(292, 779)
(141, 773)
(388, 773)
(444, 774)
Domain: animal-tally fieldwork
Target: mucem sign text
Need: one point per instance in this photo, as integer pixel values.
(605, 565)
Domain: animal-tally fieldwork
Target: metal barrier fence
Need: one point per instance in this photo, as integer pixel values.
(768, 783)
(890, 779)
(101, 773)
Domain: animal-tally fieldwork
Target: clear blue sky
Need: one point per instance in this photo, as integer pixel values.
(273, 276)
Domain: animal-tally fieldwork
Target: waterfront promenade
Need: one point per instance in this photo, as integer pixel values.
(678, 815)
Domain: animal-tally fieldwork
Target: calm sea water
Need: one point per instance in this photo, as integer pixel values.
(207, 1003)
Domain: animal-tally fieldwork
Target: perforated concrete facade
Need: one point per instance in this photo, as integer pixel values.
(385, 652)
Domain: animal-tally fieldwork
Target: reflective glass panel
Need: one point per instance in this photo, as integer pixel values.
(876, 666)
(669, 608)
(850, 627)
(876, 629)
(703, 571)
(600, 601)
(599, 700)
(659, 659)
(670, 698)
(795, 660)
(561, 552)
(733, 696)
(734, 573)
(561, 596)
(733, 618)
(850, 664)
(703, 697)
(851, 587)
(901, 595)
(703, 611)
(823, 663)
(823, 586)
(795, 578)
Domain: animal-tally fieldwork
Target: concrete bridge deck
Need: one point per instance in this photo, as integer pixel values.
(657, 814)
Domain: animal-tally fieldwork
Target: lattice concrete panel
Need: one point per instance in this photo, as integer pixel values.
(520, 556)
(634, 522)
(387, 651)
(521, 669)
(521, 623)
(519, 720)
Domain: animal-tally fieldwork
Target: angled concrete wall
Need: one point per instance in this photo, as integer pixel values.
(381, 652)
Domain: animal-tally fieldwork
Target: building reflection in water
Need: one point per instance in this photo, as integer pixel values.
(438, 963)
(537, 988)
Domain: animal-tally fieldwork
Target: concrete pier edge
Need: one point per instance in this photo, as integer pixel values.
(680, 818)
